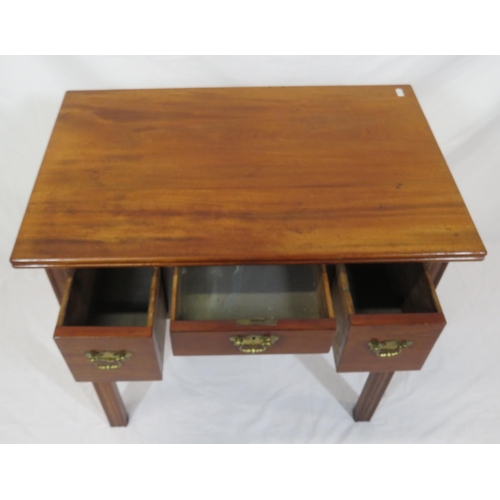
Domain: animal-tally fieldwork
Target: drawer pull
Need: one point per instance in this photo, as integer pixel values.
(253, 344)
(388, 348)
(108, 360)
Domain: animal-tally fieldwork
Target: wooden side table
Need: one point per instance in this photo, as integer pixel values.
(276, 220)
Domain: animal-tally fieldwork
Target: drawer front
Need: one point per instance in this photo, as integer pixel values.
(385, 341)
(249, 331)
(106, 358)
(96, 353)
(389, 344)
(192, 340)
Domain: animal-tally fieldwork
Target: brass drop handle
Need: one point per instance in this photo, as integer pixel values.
(108, 360)
(253, 344)
(388, 348)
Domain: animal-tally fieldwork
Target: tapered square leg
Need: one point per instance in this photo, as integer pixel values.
(112, 403)
(371, 395)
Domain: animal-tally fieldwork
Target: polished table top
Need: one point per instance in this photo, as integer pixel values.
(243, 175)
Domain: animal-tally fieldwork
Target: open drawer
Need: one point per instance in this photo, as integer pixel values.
(112, 324)
(251, 310)
(388, 316)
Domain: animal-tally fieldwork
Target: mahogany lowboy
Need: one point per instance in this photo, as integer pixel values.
(210, 178)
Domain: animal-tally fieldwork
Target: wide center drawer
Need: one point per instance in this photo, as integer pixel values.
(251, 310)
(112, 324)
(388, 316)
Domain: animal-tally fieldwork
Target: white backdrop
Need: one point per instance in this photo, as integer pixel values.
(282, 399)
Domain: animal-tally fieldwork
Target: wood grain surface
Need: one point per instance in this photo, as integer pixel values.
(436, 270)
(370, 397)
(217, 342)
(243, 175)
(421, 329)
(144, 364)
(112, 403)
(58, 279)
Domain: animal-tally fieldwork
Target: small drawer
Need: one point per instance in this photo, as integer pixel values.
(251, 310)
(112, 324)
(388, 316)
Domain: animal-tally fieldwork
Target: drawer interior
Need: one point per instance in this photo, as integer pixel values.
(391, 288)
(253, 293)
(109, 297)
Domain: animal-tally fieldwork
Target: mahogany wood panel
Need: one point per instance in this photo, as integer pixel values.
(58, 279)
(76, 303)
(243, 175)
(436, 270)
(233, 326)
(344, 309)
(75, 342)
(146, 344)
(159, 309)
(422, 330)
(371, 395)
(112, 403)
(216, 342)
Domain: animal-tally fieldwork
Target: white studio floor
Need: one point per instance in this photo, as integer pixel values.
(265, 399)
